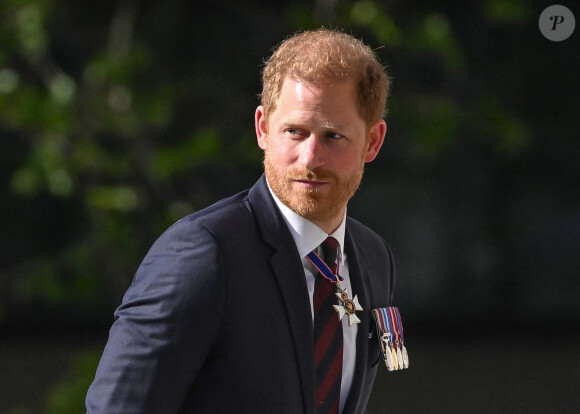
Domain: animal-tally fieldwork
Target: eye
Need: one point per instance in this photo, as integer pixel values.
(295, 132)
(334, 135)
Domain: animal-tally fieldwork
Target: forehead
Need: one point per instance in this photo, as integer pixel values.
(301, 98)
(304, 90)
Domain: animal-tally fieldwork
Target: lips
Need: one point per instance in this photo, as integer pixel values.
(311, 176)
(311, 184)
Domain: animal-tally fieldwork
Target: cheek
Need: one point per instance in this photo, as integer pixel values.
(281, 154)
(347, 161)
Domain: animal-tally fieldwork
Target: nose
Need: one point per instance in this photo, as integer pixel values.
(311, 153)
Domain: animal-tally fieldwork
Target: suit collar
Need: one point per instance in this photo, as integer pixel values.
(288, 270)
(360, 284)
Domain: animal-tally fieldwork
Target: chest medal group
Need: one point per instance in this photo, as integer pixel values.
(391, 337)
(388, 319)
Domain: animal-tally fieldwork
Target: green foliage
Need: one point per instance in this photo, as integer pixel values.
(68, 396)
(9, 80)
(508, 136)
(30, 33)
(434, 126)
(69, 278)
(508, 11)
(203, 146)
(46, 167)
(112, 198)
(367, 13)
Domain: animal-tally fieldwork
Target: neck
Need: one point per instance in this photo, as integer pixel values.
(331, 224)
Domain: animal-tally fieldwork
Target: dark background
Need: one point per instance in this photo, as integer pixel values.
(119, 117)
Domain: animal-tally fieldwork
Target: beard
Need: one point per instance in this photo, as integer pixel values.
(314, 204)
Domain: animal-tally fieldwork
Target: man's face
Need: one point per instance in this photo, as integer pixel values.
(315, 145)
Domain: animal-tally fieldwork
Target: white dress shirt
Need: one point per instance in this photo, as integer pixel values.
(308, 237)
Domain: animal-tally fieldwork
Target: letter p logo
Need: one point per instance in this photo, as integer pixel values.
(557, 20)
(556, 23)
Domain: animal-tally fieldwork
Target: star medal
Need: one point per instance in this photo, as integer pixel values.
(347, 305)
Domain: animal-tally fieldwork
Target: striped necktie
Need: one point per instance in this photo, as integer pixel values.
(327, 335)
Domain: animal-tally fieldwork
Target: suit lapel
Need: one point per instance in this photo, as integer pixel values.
(288, 270)
(360, 284)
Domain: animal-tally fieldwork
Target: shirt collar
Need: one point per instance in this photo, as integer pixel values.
(307, 235)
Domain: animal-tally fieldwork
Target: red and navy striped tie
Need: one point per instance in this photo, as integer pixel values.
(327, 335)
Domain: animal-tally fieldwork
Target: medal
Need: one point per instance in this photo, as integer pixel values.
(347, 305)
(388, 357)
(400, 358)
(384, 334)
(395, 359)
(405, 358)
(389, 362)
(397, 334)
(401, 334)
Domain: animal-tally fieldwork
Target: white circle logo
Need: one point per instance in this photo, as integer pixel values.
(557, 23)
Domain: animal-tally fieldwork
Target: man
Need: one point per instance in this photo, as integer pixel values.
(226, 313)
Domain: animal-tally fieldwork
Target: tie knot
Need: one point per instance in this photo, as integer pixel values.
(330, 251)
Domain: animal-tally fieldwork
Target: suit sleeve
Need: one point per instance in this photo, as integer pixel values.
(165, 327)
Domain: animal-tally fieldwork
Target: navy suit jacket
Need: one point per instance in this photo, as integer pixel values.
(218, 319)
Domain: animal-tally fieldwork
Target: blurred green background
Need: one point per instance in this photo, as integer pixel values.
(119, 117)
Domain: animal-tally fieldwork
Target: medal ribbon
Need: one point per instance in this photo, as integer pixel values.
(400, 324)
(379, 319)
(394, 324)
(322, 267)
(386, 322)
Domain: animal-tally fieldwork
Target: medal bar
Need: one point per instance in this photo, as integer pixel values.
(391, 339)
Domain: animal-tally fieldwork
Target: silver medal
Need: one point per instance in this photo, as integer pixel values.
(400, 358)
(348, 306)
(405, 357)
(395, 359)
(385, 343)
(389, 360)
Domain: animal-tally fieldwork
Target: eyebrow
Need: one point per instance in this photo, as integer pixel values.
(330, 125)
(325, 125)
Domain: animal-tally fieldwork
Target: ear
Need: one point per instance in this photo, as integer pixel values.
(376, 138)
(261, 127)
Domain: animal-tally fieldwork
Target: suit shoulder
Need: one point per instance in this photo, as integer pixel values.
(362, 232)
(370, 242)
(377, 255)
(228, 212)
